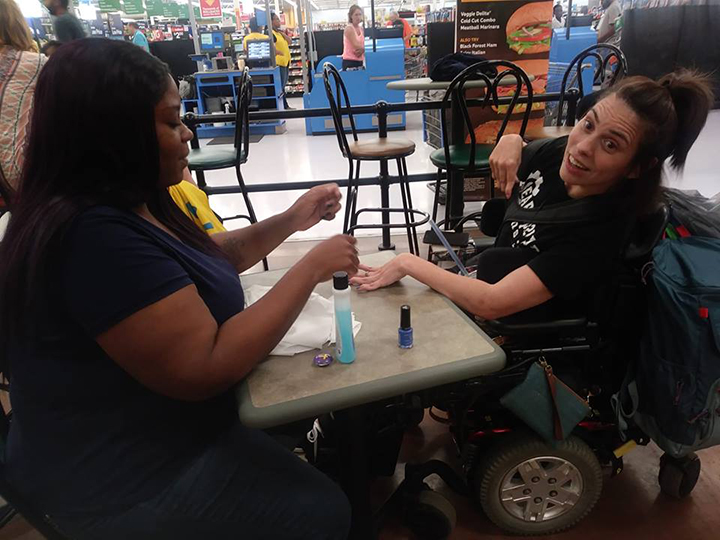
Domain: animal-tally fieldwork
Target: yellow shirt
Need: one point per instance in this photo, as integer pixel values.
(253, 35)
(282, 50)
(194, 202)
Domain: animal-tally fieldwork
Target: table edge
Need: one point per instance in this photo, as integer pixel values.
(368, 392)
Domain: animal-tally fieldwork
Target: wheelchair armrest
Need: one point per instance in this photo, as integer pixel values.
(537, 328)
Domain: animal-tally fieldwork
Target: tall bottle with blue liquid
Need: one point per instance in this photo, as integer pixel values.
(344, 341)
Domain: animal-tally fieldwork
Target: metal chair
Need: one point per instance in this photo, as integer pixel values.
(475, 158)
(210, 158)
(381, 149)
(595, 52)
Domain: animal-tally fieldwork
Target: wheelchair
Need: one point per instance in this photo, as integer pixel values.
(524, 484)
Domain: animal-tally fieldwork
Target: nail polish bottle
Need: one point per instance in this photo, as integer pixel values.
(405, 332)
(344, 341)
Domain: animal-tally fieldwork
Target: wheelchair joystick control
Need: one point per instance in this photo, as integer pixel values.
(405, 332)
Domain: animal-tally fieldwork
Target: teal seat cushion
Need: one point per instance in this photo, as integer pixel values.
(460, 156)
(210, 157)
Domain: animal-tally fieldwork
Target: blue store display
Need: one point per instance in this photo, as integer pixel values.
(212, 41)
(216, 88)
(563, 50)
(365, 86)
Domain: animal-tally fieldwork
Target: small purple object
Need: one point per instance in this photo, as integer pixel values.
(323, 360)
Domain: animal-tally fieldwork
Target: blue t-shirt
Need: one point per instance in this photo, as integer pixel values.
(140, 40)
(86, 436)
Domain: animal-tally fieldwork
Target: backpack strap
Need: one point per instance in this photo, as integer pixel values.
(584, 210)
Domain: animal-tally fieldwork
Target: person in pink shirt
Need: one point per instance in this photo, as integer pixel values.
(353, 55)
(20, 65)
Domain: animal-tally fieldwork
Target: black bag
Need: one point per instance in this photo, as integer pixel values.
(700, 215)
(187, 88)
(450, 66)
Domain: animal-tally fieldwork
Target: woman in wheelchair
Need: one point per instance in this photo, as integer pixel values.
(607, 172)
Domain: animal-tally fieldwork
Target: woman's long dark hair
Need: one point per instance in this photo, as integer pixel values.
(92, 142)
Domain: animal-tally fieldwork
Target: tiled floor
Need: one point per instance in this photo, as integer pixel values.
(631, 506)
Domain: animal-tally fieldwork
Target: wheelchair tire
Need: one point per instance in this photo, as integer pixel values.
(678, 477)
(431, 516)
(528, 487)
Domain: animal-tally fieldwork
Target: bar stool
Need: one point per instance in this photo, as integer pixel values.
(596, 53)
(210, 158)
(381, 149)
(473, 157)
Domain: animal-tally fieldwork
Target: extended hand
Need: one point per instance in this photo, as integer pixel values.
(321, 202)
(369, 279)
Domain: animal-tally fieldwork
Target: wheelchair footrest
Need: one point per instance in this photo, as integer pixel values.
(422, 219)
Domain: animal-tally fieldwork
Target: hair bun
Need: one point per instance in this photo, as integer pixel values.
(692, 99)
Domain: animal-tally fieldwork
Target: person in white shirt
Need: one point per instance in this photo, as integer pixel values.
(557, 21)
(606, 28)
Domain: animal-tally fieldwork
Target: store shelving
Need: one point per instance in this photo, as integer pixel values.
(295, 86)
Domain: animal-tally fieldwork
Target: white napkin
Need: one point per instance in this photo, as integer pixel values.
(314, 327)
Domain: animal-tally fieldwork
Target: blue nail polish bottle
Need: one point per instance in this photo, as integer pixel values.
(405, 332)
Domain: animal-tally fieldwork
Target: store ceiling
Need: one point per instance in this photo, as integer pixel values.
(335, 4)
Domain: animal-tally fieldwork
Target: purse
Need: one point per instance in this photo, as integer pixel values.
(546, 404)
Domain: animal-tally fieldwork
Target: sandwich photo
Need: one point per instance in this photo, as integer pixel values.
(537, 71)
(487, 132)
(529, 29)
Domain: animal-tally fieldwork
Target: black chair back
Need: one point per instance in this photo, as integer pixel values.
(242, 116)
(478, 72)
(331, 77)
(602, 54)
(38, 520)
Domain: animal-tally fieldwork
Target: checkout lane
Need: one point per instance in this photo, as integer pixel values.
(365, 86)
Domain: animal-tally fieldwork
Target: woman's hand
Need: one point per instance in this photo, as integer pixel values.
(321, 202)
(336, 254)
(360, 51)
(370, 279)
(505, 162)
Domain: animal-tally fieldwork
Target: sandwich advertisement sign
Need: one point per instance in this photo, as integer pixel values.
(515, 30)
(504, 29)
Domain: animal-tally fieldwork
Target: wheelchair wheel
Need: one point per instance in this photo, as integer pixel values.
(678, 477)
(431, 516)
(528, 487)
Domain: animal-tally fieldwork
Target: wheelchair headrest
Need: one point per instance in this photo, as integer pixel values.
(647, 233)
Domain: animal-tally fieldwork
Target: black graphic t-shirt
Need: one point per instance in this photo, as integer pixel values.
(570, 259)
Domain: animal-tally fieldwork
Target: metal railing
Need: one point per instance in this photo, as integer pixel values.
(381, 109)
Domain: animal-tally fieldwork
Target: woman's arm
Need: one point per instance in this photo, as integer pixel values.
(518, 291)
(176, 348)
(358, 46)
(505, 162)
(247, 246)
